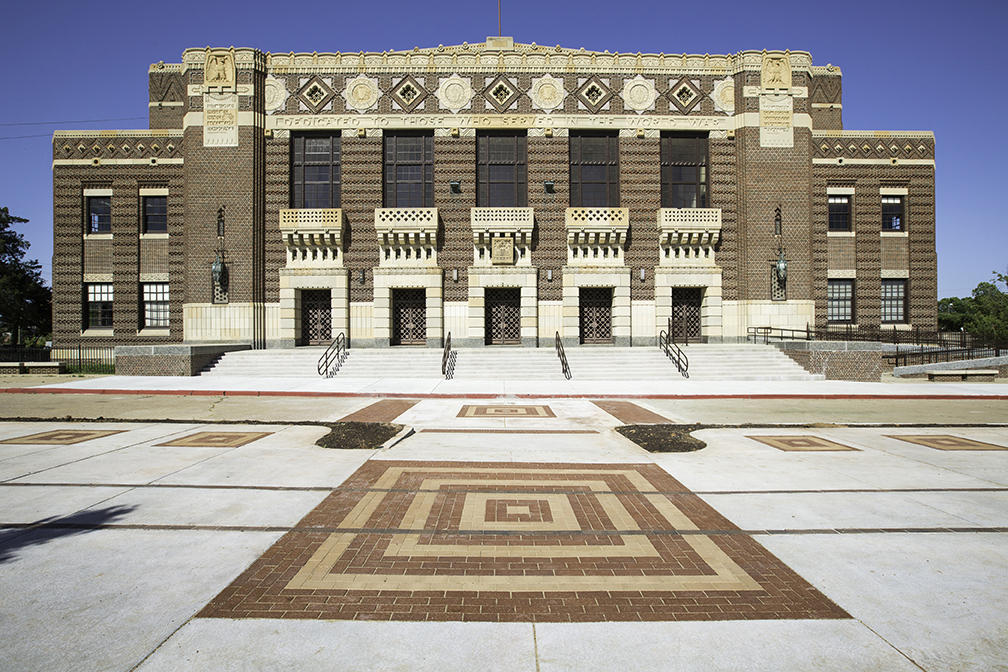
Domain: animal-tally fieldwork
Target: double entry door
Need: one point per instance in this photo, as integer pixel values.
(502, 316)
(595, 314)
(409, 317)
(316, 316)
(686, 313)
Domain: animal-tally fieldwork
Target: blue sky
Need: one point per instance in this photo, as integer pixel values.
(907, 66)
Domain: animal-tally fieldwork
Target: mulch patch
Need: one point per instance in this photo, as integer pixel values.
(664, 438)
(358, 435)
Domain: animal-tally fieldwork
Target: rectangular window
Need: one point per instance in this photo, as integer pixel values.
(594, 170)
(98, 305)
(894, 301)
(840, 300)
(501, 171)
(409, 170)
(99, 214)
(892, 213)
(155, 304)
(155, 214)
(839, 213)
(683, 171)
(315, 171)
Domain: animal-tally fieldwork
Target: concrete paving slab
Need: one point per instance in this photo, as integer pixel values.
(35, 503)
(941, 599)
(730, 646)
(134, 465)
(103, 600)
(221, 645)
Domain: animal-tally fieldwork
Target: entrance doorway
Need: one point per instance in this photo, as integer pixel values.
(596, 314)
(409, 317)
(686, 313)
(316, 316)
(502, 316)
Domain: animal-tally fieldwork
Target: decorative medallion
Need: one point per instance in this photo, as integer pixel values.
(724, 95)
(776, 72)
(408, 93)
(685, 95)
(639, 94)
(501, 93)
(547, 93)
(316, 94)
(594, 94)
(276, 94)
(218, 68)
(455, 93)
(362, 93)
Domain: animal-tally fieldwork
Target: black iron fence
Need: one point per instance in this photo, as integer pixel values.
(76, 358)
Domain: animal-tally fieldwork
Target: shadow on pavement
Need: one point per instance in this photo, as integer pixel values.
(13, 539)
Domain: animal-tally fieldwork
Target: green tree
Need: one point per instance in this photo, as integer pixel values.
(984, 314)
(25, 301)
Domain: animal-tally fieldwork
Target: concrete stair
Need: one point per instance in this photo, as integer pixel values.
(707, 362)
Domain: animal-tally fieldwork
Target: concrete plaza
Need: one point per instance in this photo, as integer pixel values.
(132, 542)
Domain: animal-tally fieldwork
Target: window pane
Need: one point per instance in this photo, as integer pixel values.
(839, 213)
(99, 214)
(502, 149)
(840, 300)
(892, 213)
(894, 300)
(315, 174)
(98, 306)
(155, 214)
(409, 150)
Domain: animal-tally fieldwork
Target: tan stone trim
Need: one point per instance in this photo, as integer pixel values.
(828, 106)
(872, 134)
(97, 236)
(893, 191)
(499, 121)
(841, 274)
(839, 191)
(166, 104)
(151, 161)
(154, 191)
(97, 192)
(153, 277)
(245, 118)
(895, 274)
(872, 162)
(840, 234)
(752, 120)
(154, 332)
(137, 133)
(97, 277)
(894, 234)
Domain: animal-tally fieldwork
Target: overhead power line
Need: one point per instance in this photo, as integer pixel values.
(74, 121)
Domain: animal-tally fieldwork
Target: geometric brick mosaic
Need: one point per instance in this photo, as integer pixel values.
(497, 541)
(800, 443)
(385, 410)
(216, 439)
(506, 411)
(946, 442)
(630, 413)
(61, 437)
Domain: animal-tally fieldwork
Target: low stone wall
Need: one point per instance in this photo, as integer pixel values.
(840, 360)
(169, 360)
(920, 370)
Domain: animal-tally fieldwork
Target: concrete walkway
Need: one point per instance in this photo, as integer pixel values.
(114, 545)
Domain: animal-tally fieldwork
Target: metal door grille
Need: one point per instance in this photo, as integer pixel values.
(686, 313)
(409, 317)
(316, 316)
(502, 311)
(596, 314)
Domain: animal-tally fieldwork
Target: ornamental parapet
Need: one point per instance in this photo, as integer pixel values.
(407, 236)
(688, 235)
(502, 236)
(313, 237)
(596, 236)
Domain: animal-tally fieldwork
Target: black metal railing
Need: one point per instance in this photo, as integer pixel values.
(930, 355)
(75, 358)
(448, 358)
(564, 366)
(333, 357)
(668, 345)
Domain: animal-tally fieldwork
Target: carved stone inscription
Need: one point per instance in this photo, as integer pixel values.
(502, 251)
(220, 120)
(776, 121)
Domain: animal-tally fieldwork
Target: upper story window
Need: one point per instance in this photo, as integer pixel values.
(155, 214)
(501, 171)
(97, 305)
(684, 171)
(894, 300)
(594, 170)
(839, 213)
(99, 214)
(315, 171)
(892, 213)
(409, 170)
(840, 300)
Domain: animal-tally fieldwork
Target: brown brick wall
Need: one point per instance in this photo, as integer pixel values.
(864, 366)
(362, 193)
(723, 185)
(455, 159)
(549, 160)
(841, 253)
(640, 191)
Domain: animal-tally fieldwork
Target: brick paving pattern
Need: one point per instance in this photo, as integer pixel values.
(493, 541)
(947, 442)
(800, 443)
(385, 410)
(506, 411)
(630, 413)
(216, 439)
(61, 437)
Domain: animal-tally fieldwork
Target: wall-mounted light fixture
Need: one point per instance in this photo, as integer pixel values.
(455, 274)
(777, 221)
(642, 275)
(362, 276)
(456, 186)
(549, 275)
(549, 187)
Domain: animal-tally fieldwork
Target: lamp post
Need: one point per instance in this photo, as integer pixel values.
(218, 269)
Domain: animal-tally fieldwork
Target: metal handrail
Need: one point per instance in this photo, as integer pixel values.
(330, 361)
(448, 359)
(674, 352)
(564, 366)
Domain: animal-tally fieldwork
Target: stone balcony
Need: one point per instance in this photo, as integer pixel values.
(596, 236)
(687, 236)
(502, 236)
(407, 237)
(313, 237)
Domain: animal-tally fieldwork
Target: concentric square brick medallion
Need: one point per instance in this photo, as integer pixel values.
(517, 542)
(216, 439)
(800, 443)
(62, 437)
(506, 411)
(947, 442)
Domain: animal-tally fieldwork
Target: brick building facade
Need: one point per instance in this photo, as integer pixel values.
(500, 192)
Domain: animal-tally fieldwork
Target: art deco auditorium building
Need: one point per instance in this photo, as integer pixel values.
(500, 192)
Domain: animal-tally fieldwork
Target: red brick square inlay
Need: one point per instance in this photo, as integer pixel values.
(517, 542)
(946, 442)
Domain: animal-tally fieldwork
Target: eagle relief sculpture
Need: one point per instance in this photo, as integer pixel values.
(218, 69)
